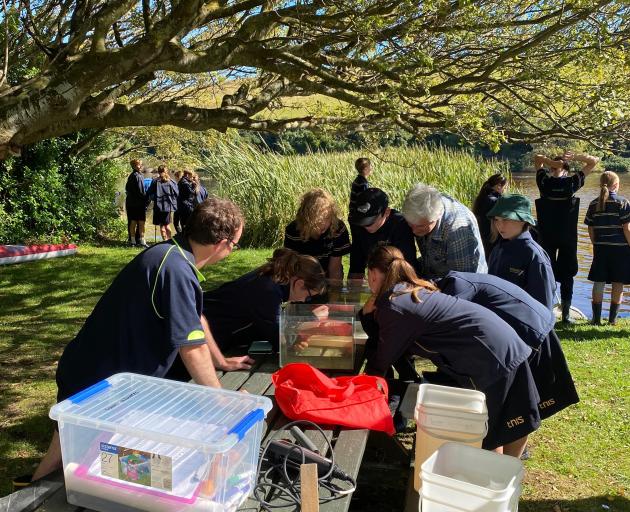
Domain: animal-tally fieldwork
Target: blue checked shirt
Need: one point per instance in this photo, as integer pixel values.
(454, 243)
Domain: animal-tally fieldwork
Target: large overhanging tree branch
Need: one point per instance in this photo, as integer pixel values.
(489, 70)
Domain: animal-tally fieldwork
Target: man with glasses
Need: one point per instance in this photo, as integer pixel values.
(152, 312)
(446, 232)
(379, 224)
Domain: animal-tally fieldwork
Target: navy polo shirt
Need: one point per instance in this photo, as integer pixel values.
(323, 248)
(464, 340)
(394, 232)
(608, 224)
(529, 318)
(151, 309)
(525, 263)
(245, 310)
(561, 187)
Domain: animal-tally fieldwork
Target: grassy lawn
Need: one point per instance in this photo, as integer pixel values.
(580, 457)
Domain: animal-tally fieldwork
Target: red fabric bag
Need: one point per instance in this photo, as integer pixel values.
(305, 393)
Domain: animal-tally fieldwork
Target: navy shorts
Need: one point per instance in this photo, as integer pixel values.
(136, 212)
(610, 264)
(161, 218)
(552, 377)
(512, 404)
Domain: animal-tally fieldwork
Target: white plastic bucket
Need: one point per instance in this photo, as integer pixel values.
(446, 414)
(460, 478)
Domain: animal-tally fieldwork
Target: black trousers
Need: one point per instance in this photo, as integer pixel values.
(564, 262)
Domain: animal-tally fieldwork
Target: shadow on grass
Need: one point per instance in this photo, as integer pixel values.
(586, 332)
(591, 504)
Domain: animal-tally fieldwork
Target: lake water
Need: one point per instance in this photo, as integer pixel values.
(583, 287)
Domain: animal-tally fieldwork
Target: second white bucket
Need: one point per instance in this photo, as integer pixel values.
(446, 414)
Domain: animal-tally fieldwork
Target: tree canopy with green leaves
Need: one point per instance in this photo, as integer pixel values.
(489, 70)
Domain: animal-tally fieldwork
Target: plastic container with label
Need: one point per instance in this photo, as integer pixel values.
(460, 478)
(132, 442)
(444, 414)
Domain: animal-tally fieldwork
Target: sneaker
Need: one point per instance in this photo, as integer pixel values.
(21, 481)
(525, 455)
(130, 243)
(143, 243)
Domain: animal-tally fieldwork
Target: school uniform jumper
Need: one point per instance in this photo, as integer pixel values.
(557, 211)
(136, 200)
(164, 195)
(327, 246)
(470, 345)
(523, 262)
(534, 324)
(185, 199)
(611, 252)
(395, 231)
(151, 310)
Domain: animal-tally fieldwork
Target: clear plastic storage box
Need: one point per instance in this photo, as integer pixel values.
(321, 335)
(133, 442)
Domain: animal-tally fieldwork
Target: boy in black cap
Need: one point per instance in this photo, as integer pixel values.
(376, 223)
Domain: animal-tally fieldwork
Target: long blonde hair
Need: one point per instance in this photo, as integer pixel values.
(286, 264)
(607, 180)
(316, 208)
(391, 262)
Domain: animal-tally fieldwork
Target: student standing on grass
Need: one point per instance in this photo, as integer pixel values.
(248, 309)
(136, 205)
(446, 232)
(363, 166)
(319, 232)
(517, 257)
(186, 196)
(608, 221)
(376, 224)
(151, 313)
(164, 192)
(469, 344)
(557, 211)
(490, 191)
(533, 322)
(176, 215)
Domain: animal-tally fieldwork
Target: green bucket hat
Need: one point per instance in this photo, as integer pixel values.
(514, 207)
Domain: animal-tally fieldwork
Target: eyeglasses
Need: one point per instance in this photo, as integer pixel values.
(235, 245)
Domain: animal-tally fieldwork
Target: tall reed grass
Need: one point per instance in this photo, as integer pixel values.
(268, 186)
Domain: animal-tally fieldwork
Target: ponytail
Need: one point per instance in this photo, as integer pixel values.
(607, 180)
(286, 264)
(486, 188)
(390, 261)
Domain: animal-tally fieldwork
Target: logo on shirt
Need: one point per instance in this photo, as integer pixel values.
(517, 271)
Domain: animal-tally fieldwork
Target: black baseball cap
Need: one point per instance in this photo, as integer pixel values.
(368, 206)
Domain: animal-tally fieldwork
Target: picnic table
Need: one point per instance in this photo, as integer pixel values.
(49, 494)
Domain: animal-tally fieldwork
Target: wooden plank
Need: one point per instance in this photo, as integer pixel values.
(234, 380)
(309, 488)
(29, 498)
(349, 450)
(58, 503)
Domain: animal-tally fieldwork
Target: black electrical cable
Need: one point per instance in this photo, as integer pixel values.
(287, 488)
